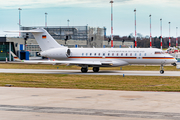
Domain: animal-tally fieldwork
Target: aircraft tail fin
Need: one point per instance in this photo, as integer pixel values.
(43, 38)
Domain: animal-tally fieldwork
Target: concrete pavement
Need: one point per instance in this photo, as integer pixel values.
(90, 72)
(76, 104)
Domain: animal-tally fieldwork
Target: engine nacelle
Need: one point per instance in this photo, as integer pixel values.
(56, 53)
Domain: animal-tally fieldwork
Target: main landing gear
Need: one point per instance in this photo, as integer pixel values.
(85, 69)
(95, 69)
(162, 69)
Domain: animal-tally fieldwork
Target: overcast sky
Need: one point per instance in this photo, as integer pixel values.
(95, 13)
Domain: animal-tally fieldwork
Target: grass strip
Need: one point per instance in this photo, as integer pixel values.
(128, 83)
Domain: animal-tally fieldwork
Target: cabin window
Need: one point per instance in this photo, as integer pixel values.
(108, 54)
(126, 54)
(135, 54)
(90, 54)
(112, 54)
(94, 54)
(144, 54)
(86, 54)
(99, 54)
(139, 54)
(82, 54)
(130, 54)
(117, 54)
(103, 54)
(121, 54)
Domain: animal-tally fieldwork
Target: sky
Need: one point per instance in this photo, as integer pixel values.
(94, 13)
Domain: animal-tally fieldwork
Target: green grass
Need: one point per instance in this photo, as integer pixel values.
(129, 83)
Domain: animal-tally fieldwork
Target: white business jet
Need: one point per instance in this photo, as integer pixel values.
(96, 57)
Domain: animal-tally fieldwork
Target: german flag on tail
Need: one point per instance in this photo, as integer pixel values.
(43, 36)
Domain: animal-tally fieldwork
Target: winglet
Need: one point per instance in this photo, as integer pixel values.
(15, 57)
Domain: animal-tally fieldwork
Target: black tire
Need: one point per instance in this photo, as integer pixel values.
(95, 69)
(84, 70)
(174, 64)
(162, 71)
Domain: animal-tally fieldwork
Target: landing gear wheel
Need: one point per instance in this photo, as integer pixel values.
(162, 71)
(84, 70)
(174, 64)
(95, 69)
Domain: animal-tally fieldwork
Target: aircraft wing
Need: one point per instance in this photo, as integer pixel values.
(93, 63)
(64, 62)
(56, 62)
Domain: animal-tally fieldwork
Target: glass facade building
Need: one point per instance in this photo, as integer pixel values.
(4, 50)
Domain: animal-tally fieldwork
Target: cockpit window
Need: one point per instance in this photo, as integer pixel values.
(157, 52)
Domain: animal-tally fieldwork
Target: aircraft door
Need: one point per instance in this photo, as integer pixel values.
(139, 56)
(68, 54)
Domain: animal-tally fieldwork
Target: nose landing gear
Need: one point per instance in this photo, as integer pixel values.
(162, 69)
(174, 64)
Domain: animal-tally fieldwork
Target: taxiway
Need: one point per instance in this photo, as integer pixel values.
(90, 72)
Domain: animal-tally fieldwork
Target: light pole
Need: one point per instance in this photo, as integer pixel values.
(135, 28)
(161, 31)
(46, 19)
(112, 23)
(169, 35)
(68, 22)
(150, 32)
(19, 20)
(176, 36)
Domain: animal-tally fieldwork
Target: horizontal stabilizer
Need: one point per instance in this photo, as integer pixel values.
(27, 31)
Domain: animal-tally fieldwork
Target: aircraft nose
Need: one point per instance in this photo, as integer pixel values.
(175, 60)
